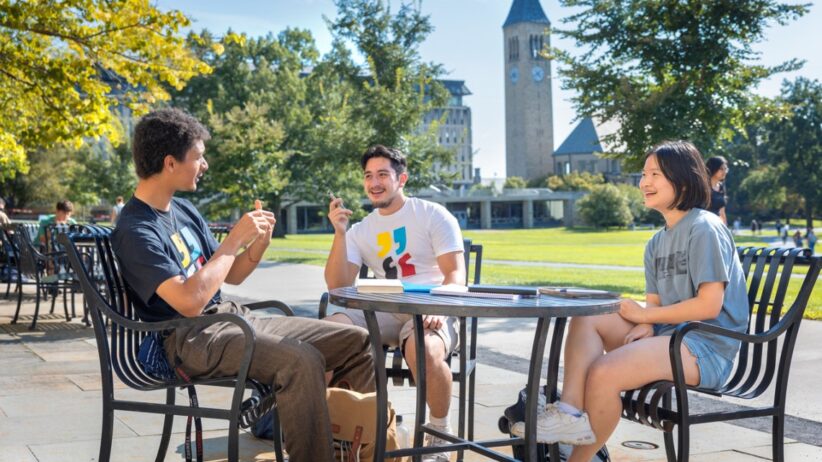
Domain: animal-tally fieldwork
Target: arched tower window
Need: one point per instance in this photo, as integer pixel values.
(513, 48)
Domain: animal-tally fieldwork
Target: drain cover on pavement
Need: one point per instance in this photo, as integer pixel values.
(644, 445)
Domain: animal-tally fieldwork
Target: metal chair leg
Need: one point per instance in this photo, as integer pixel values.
(778, 435)
(670, 450)
(278, 437)
(107, 433)
(19, 300)
(36, 307)
(168, 421)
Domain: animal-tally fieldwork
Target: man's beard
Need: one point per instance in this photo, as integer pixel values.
(383, 204)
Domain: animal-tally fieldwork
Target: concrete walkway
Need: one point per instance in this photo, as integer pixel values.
(50, 405)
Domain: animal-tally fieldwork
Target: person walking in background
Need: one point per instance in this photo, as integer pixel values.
(754, 227)
(4, 219)
(737, 225)
(718, 170)
(784, 233)
(811, 237)
(797, 238)
(115, 211)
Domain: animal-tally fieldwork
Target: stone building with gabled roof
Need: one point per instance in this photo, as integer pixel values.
(585, 150)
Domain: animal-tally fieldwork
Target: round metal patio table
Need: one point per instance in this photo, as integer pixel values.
(543, 308)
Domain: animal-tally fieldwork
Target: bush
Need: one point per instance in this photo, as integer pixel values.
(515, 182)
(575, 181)
(604, 207)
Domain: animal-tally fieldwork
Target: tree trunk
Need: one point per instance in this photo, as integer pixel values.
(809, 212)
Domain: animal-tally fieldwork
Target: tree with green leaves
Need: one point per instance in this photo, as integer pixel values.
(797, 142)
(605, 207)
(666, 69)
(328, 109)
(515, 182)
(65, 64)
(575, 181)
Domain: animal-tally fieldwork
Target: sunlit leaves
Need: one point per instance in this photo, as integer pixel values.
(53, 55)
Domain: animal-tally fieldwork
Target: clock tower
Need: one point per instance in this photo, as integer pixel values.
(529, 121)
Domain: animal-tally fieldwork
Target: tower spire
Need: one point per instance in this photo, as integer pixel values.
(526, 11)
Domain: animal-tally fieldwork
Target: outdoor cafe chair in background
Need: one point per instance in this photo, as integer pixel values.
(763, 362)
(466, 352)
(46, 270)
(118, 345)
(219, 231)
(8, 260)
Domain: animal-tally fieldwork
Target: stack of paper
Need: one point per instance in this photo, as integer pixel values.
(379, 286)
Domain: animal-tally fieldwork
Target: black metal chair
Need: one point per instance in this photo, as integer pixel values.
(466, 352)
(8, 259)
(219, 231)
(119, 341)
(46, 270)
(765, 355)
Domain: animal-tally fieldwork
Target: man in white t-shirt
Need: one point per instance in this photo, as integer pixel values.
(409, 239)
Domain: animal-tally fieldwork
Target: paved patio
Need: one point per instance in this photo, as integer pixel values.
(50, 406)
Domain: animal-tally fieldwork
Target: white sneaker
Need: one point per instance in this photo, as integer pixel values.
(555, 426)
(431, 440)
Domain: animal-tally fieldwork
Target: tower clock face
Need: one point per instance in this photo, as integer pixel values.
(514, 75)
(537, 74)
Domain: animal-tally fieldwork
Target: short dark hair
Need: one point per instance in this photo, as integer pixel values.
(167, 131)
(714, 164)
(681, 163)
(398, 162)
(65, 206)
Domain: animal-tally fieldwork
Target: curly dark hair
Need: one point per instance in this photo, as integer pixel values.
(163, 132)
(65, 206)
(681, 163)
(398, 162)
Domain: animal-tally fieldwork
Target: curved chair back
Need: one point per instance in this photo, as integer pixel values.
(118, 341)
(768, 273)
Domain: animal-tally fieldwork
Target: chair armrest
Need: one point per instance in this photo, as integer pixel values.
(280, 305)
(323, 308)
(202, 321)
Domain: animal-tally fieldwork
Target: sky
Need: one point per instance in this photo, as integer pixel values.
(467, 41)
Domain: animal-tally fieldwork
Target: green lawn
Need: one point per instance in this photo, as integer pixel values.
(557, 245)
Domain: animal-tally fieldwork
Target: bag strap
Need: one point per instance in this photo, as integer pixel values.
(198, 423)
(355, 445)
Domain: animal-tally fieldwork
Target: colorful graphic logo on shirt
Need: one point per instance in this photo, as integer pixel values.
(189, 251)
(385, 244)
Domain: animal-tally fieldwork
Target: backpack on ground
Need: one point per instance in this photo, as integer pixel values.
(353, 425)
(516, 413)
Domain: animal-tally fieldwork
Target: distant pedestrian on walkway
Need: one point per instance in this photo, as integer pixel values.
(754, 227)
(811, 238)
(784, 233)
(797, 238)
(692, 272)
(737, 225)
(116, 209)
(718, 170)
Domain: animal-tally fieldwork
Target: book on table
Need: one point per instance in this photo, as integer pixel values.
(578, 292)
(378, 286)
(523, 291)
(463, 291)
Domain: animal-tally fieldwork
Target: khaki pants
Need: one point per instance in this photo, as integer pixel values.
(290, 353)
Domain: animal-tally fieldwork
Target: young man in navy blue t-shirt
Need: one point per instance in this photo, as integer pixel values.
(173, 267)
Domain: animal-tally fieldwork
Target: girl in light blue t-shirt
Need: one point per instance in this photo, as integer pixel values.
(692, 273)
